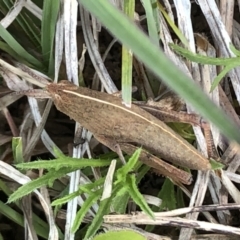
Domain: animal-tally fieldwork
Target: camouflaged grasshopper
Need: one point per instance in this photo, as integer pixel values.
(114, 124)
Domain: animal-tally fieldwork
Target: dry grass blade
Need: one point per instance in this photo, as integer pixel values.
(140, 218)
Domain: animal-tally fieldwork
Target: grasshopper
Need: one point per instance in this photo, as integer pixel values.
(114, 124)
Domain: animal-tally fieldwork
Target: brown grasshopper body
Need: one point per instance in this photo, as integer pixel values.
(113, 123)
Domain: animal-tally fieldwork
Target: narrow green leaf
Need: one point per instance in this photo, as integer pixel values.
(119, 203)
(96, 184)
(37, 183)
(203, 59)
(128, 167)
(68, 162)
(180, 198)
(66, 198)
(172, 25)
(123, 189)
(229, 63)
(7, 37)
(153, 23)
(7, 49)
(104, 209)
(10, 213)
(150, 7)
(216, 165)
(121, 235)
(59, 154)
(89, 187)
(127, 59)
(221, 75)
(40, 227)
(234, 50)
(5, 187)
(50, 15)
(167, 195)
(30, 29)
(137, 196)
(17, 150)
(91, 199)
(25, 27)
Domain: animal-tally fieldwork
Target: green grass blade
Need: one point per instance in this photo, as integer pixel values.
(167, 194)
(128, 167)
(125, 234)
(150, 7)
(11, 214)
(7, 49)
(17, 150)
(127, 60)
(50, 15)
(137, 196)
(36, 183)
(234, 50)
(30, 25)
(84, 209)
(66, 198)
(172, 25)
(221, 75)
(7, 37)
(16, 217)
(73, 163)
(203, 59)
(97, 184)
(104, 208)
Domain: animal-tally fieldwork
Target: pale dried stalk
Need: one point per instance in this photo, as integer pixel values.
(142, 219)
